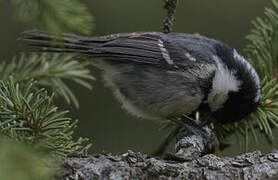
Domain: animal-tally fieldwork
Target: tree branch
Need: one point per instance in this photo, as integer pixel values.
(133, 165)
(170, 7)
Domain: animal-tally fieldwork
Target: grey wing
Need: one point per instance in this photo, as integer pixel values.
(170, 51)
(165, 50)
(124, 47)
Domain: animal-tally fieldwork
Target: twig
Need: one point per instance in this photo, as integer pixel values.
(168, 22)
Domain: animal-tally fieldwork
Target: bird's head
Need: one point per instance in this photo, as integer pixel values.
(236, 88)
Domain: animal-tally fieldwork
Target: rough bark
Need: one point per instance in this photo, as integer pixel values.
(187, 163)
(140, 166)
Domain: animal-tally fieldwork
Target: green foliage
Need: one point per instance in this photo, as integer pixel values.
(55, 16)
(50, 70)
(263, 48)
(19, 162)
(267, 114)
(27, 114)
(32, 129)
(263, 54)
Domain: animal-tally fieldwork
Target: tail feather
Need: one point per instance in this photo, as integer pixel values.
(44, 41)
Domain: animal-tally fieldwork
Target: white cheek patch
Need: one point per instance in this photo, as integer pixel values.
(164, 52)
(224, 82)
(253, 73)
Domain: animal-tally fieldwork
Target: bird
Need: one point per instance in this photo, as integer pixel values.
(158, 76)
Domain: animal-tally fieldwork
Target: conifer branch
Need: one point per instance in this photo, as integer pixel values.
(55, 16)
(27, 114)
(50, 70)
(263, 48)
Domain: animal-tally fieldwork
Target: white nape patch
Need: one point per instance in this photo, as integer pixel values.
(253, 73)
(191, 58)
(224, 82)
(164, 52)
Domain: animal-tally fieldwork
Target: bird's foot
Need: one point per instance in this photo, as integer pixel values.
(193, 141)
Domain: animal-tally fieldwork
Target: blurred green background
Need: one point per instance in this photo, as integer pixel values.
(109, 127)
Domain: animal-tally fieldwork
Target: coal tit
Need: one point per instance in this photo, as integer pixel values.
(157, 76)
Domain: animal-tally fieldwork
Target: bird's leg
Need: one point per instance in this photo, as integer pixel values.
(196, 122)
(206, 121)
(184, 119)
(172, 134)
